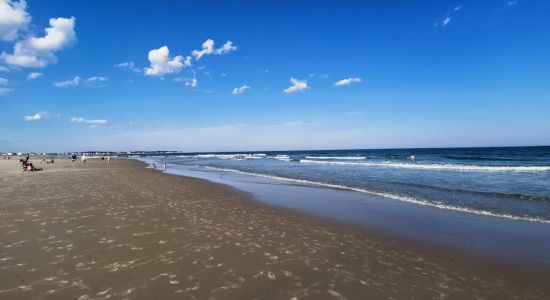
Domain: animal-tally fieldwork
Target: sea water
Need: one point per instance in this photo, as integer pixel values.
(511, 182)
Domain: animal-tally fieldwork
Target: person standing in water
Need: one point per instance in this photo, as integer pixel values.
(164, 167)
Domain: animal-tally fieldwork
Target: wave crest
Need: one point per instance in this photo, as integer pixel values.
(449, 167)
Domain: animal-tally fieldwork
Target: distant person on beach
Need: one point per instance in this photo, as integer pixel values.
(164, 167)
(109, 159)
(84, 158)
(154, 166)
(73, 158)
(31, 168)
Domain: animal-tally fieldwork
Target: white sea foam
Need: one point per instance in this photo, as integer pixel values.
(397, 197)
(282, 157)
(449, 167)
(337, 157)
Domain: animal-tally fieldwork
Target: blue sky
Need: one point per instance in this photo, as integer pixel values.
(144, 75)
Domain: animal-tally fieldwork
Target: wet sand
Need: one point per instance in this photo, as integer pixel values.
(120, 231)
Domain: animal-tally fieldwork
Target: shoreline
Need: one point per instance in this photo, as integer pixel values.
(194, 220)
(515, 241)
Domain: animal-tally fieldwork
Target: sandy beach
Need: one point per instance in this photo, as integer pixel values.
(122, 231)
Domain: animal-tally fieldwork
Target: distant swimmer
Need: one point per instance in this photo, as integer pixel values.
(412, 157)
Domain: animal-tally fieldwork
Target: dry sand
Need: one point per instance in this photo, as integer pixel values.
(121, 231)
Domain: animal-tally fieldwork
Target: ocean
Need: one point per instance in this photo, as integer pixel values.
(506, 182)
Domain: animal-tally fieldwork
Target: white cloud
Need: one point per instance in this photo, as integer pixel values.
(68, 83)
(162, 63)
(94, 81)
(240, 90)
(129, 65)
(347, 81)
(3, 81)
(192, 82)
(295, 86)
(512, 2)
(35, 117)
(448, 17)
(38, 52)
(4, 91)
(226, 48)
(208, 48)
(4, 69)
(34, 75)
(93, 123)
(13, 19)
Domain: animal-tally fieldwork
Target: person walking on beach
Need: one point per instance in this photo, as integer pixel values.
(164, 167)
(109, 159)
(84, 158)
(154, 166)
(73, 158)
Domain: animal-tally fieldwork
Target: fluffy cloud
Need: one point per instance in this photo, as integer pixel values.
(208, 48)
(162, 63)
(3, 81)
(226, 48)
(446, 21)
(4, 91)
(240, 90)
(13, 19)
(347, 81)
(35, 117)
(93, 123)
(34, 75)
(94, 81)
(295, 86)
(38, 52)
